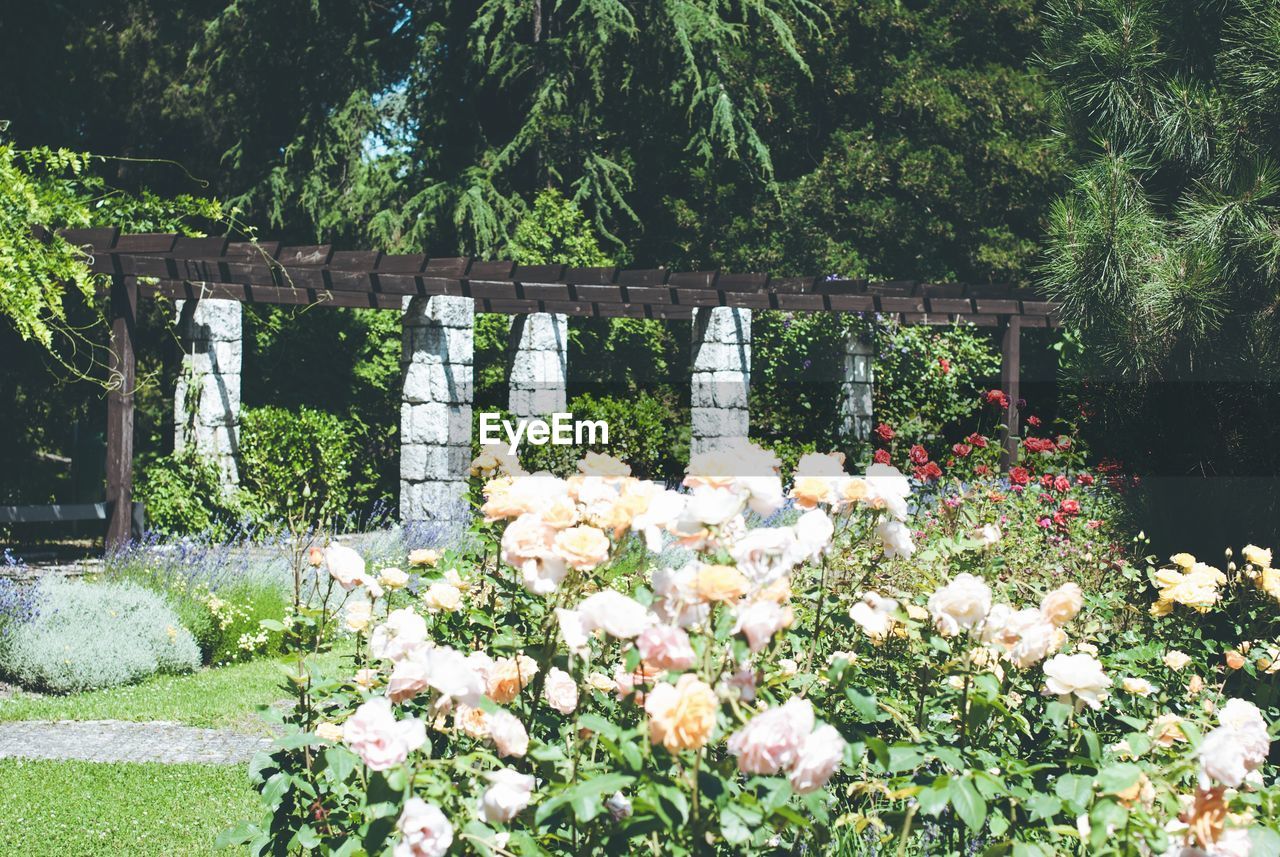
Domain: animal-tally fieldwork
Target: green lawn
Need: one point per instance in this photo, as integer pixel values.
(79, 809)
(223, 697)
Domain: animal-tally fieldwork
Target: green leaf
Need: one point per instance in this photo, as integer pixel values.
(969, 805)
(1115, 779)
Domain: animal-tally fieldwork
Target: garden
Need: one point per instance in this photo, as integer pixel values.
(950, 531)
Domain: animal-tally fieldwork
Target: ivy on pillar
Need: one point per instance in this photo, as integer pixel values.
(206, 402)
(538, 375)
(435, 412)
(721, 373)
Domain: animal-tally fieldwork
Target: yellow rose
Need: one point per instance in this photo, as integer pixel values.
(1185, 560)
(682, 716)
(484, 464)
(424, 556)
(1166, 730)
(599, 464)
(501, 500)
(1269, 582)
(1261, 557)
(329, 731)
(1062, 604)
(720, 583)
(442, 597)
(582, 547)
(393, 578)
(1176, 660)
(560, 513)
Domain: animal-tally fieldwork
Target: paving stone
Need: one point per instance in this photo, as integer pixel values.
(126, 741)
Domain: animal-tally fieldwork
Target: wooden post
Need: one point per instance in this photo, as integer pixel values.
(1010, 357)
(122, 365)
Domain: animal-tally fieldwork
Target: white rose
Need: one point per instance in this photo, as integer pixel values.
(402, 634)
(393, 578)
(759, 621)
(665, 507)
(765, 554)
(614, 613)
(961, 605)
(1078, 675)
(356, 616)
(1027, 637)
(888, 489)
(814, 531)
(507, 795)
(821, 755)
(874, 615)
(571, 631)
(713, 506)
(895, 537)
(442, 596)
(454, 676)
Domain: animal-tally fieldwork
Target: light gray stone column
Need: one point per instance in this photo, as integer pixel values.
(856, 387)
(206, 401)
(539, 364)
(435, 411)
(721, 369)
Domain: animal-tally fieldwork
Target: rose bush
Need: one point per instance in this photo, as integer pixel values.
(851, 663)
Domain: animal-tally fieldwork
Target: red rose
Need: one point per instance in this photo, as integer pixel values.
(929, 472)
(885, 432)
(998, 398)
(1093, 524)
(1033, 421)
(1047, 480)
(919, 455)
(1038, 444)
(1046, 498)
(1059, 519)
(1070, 507)
(982, 470)
(978, 440)
(881, 456)
(1085, 479)
(1062, 484)
(962, 449)
(945, 364)
(1019, 476)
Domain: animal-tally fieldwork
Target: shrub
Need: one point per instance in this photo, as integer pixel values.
(89, 636)
(17, 607)
(301, 464)
(642, 430)
(183, 494)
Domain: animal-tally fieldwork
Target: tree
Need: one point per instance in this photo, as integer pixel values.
(1164, 249)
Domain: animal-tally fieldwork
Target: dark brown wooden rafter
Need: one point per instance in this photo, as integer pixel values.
(267, 272)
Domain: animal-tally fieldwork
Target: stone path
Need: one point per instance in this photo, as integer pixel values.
(124, 741)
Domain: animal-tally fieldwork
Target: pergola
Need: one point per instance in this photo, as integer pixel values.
(441, 294)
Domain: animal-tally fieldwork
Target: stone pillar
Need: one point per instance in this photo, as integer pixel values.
(539, 364)
(721, 368)
(435, 410)
(206, 402)
(856, 387)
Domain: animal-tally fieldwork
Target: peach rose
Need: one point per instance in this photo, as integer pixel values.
(582, 547)
(664, 647)
(471, 721)
(720, 583)
(329, 731)
(1062, 604)
(509, 676)
(599, 464)
(393, 578)
(809, 491)
(772, 741)
(424, 557)
(682, 716)
(526, 538)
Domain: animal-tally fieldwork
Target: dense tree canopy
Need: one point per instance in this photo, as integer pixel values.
(1164, 250)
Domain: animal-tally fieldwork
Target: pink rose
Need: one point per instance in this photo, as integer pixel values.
(528, 537)
(760, 620)
(424, 830)
(345, 566)
(400, 636)
(822, 753)
(561, 691)
(408, 679)
(508, 734)
(772, 741)
(374, 734)
(507, 796)
(664, 647)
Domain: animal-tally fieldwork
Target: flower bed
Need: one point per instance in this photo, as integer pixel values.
(859, 663)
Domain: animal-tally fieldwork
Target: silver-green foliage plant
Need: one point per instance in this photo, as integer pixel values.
(95, 635)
